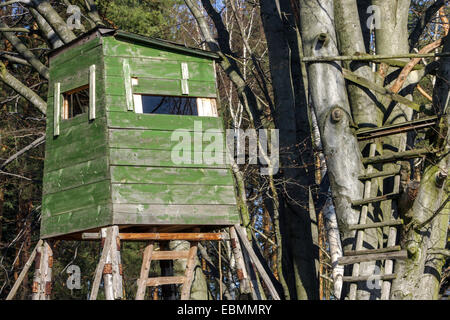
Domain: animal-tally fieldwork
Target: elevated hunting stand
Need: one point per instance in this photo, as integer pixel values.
(115, 100)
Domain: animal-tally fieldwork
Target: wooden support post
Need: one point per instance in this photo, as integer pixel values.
(42, 282)
(243, 237)
(190, 266)
(112, 277)
(145, 268)
(24, 271)
(241, 271)
(99, 270)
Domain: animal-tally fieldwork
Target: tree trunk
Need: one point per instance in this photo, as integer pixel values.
(419, 276)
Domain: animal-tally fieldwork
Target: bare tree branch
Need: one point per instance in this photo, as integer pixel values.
(22, 89)
(25, 52)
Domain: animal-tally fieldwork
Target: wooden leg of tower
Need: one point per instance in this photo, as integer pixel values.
(190, 268)
(112, 275)
(241, 271)
(145, 268)
(42, 281)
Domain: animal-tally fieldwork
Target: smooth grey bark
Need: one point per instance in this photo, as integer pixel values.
(290, 107)
(22, 89)
(46, 29)
(366, 112)
(54, 19)
(199, 290)
(25, 52)
(419, 276)
(331, 107)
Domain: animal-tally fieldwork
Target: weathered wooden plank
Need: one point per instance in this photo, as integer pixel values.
(77, 175)
(77, 130)
(57, 109)
(145, 269)
(92, 91)
(379, 174)
(370, 133)
(159, 281)
(170, 255)
(75, 52)
(76, 220)
(384, 197)
(169, 87)
(371, 277)
(373, 257)
(189, 274)
(158, 140)
(162, 175)
(67, 156)
(206, 89)
(371, 251)
(127, 83)
(376, 225)
(391, 157)
(24, 271)
(175, 214)
(79, 197)
(162, 158)
(172, 194)
(114, 47)
(164, 236)
(167, 122)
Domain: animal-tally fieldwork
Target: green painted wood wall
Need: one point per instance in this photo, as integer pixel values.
(117, 168)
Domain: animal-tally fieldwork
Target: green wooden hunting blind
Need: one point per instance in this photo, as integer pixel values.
(114, 100)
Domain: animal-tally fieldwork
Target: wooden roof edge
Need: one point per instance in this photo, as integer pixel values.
(102, 31)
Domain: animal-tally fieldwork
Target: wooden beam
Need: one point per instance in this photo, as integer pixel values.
(243, 237)
(160, 281)
(353, 77)
(371, 277)
(390, 157)
(24, 271)
(379, 174)
(376, 225)
(371, 133)
(366, 57)
(170, 255)
(101, 264)
(189, 274)
(384, 197)
(194, 236)
(372, 251)
(373, 257)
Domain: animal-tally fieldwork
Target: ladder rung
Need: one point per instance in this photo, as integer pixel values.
(385, 197)
(371, 277)
(373, 257)
(372, 251)
(376, 225)
(379, 174)
(159, 281)
(390, 157)
(370, 133)
(169, 255)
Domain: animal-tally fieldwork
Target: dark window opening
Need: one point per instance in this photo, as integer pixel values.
(76, 102)
(169, 105)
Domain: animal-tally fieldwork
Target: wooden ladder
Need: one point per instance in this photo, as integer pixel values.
(155, 255)
(392, 251)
